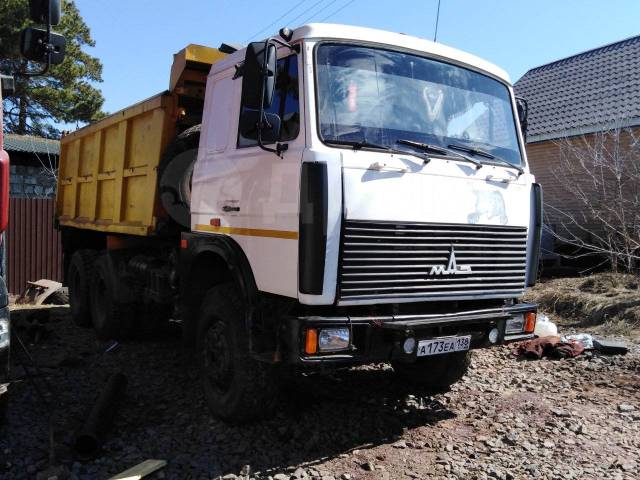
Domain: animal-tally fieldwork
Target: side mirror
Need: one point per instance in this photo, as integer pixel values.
(35, 45)
(270, 127)
(523, 114)
(43, 10)
(259, 73)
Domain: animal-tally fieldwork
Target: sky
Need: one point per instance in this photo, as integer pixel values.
(135, 39)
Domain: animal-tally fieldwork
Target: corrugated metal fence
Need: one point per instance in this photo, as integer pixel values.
(34, 250)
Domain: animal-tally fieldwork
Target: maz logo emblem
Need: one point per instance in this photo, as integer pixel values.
(452, 267)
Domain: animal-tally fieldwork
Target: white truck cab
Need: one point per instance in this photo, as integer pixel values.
(405, 155)
(377, 187)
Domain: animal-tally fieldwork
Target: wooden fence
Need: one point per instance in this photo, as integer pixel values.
(33, 250)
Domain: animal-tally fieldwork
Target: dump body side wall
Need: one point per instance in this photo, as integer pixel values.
(108, 171)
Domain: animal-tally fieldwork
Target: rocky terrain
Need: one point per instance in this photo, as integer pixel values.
(508, 419)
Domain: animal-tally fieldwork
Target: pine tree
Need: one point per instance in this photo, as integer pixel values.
(66, 93)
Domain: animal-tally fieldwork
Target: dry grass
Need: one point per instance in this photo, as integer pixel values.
(608, 300)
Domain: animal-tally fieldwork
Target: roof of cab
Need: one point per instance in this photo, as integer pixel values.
(331, 31)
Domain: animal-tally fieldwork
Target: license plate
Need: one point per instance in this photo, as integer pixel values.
(438, 346)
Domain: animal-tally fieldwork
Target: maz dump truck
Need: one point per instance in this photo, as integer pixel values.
(329, 197)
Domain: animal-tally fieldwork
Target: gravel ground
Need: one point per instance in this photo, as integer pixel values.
(577, 418)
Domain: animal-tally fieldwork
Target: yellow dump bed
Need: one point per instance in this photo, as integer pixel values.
(107, 175)
(107, 179)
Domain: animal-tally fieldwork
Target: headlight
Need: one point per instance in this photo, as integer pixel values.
(332, 339)
(515, 324)
(409, 345)
(4, 332)
(494, 334)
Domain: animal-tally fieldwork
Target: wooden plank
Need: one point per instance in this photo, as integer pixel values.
(141, 470)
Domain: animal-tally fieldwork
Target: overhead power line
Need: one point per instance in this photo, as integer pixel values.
(337, 11)
(278, 19)
(291, 22)
(322, 9)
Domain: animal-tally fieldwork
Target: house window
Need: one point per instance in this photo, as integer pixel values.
(286, 103)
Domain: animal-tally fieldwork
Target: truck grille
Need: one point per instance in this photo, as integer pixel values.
(388, 261)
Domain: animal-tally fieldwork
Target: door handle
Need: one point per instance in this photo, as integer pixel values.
(383, 166)
(230, 208)
(492, 178)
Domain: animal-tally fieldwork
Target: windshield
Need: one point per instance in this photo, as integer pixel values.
(380, 96)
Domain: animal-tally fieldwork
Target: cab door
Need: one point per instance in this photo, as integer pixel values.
(256, 200)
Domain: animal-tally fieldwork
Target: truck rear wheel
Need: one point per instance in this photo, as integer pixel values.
(111, 319)
(79, 277)
(436, 373)
(237, 388)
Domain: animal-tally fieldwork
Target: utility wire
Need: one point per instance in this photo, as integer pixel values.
(300, 15)
(337, 11)
(322, 9)
(277, 19)
(435, 34)
(305, 12)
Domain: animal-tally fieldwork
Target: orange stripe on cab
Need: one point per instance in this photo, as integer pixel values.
(251, 232)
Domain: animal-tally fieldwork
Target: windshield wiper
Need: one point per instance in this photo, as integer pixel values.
(428, 147)
(493, 158)
(358, 144)
(472, 151)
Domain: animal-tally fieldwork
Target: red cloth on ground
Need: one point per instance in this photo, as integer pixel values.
(551, 346)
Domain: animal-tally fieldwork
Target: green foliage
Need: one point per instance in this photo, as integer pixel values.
(63, 95)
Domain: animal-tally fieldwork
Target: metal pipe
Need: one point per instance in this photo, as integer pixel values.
(100, 419)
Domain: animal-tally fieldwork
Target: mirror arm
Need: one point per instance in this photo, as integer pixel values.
(294, 48)
(281, 148)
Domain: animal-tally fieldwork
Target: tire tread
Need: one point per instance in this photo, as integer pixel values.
(257, 394)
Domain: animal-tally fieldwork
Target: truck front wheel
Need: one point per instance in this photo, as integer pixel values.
(437, 373)
(79, 277)
(237, 387)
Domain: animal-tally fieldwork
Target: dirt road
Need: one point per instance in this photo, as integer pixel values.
(509, 418)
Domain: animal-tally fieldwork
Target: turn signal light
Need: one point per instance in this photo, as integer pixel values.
(530, 322)
(311, 341)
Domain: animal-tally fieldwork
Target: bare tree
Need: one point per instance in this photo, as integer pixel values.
(601, 171)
